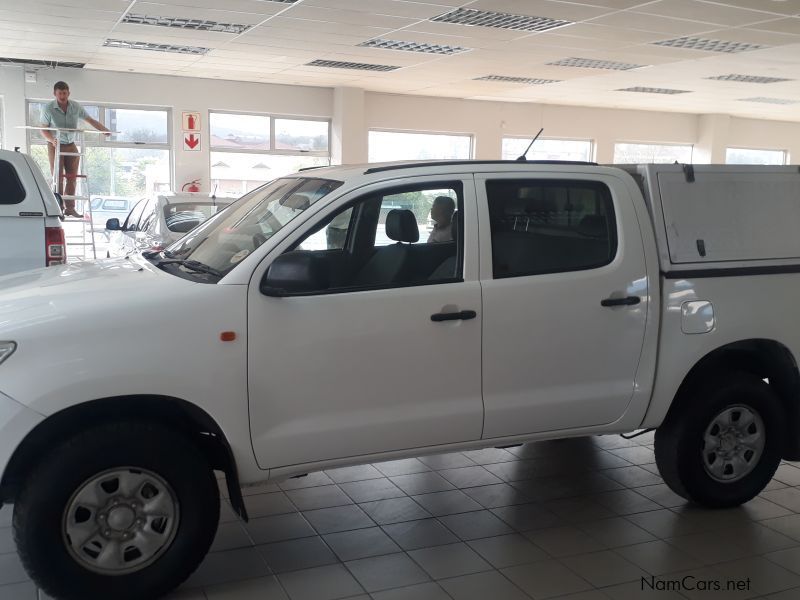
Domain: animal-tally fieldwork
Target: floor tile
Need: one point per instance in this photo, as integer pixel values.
(231, 565)
(293, 555)
(423, 533)
(447, 503)
(637, 590)
(395, 510)
(338, 518)
(488, 456)
(563, 541)
(405, 466)
(466, 477)
(604, 568)
(579, 510)
(7, 541)
(787, 497)
(263, 588)
(788, 474)
(524, 517)
(658, 557)
(664, 523)
(788, 525)
(356, 473)
(278, 528)
(420, 591)
(788, 558)
(482, 586)
(321, 583)
(318, 497)
(421, 483)
(18, 591)
(310, 480)
(6, 514)
(637, 455)
(371, 490)
(362, 543)
(474, 525)
(11, 570)
(545, 579)
(449, 561)
(765, 576)
(616, 532)
(264, 505)
(452, 460)
(260, 488)
(497, 495)
(385, 572)
(662, 495)
(760, 508)
(229, 536)
(632, 476)
(625, 502)
(508, 550)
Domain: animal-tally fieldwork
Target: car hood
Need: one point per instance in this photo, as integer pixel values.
(105, 289)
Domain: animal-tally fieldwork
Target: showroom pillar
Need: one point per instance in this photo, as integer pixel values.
(191, 163)
(12, 97)
(712, 139)
(349, 132)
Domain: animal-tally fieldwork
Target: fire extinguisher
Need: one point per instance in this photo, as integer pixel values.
(191, 186)
(190, 120)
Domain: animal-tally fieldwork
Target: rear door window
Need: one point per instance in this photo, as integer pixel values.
(11, 190)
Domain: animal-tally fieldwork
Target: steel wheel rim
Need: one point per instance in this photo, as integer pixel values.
(733, 443)
(120, 521)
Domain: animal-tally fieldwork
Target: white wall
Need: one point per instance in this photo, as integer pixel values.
(354, 112)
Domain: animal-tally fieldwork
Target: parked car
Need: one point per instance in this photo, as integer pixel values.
(157, 223)
(31, 234)
(574, 300)
(109, 207)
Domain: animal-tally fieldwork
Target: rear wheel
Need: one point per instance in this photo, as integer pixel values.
(122, 511)
(722, 442)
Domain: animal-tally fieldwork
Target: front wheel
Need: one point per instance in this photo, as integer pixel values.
(125, 511)
(721, 444)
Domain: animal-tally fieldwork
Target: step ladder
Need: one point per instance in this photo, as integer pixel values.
(79, 240)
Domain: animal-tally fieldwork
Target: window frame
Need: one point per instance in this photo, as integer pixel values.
(317, 224)
(690, 145)
(591, 142)
(783, 151)
(102, 141)
(471, 137)
(611, 218)
(272, 150)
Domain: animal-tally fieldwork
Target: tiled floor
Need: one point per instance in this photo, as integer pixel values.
(581, 519)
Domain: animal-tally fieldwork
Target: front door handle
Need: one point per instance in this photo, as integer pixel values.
(463, 315)
(628, 301)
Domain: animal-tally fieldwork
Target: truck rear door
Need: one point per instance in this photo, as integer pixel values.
(22, 216)
(565, 297)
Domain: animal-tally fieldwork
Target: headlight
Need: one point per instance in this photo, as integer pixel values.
(6, 350)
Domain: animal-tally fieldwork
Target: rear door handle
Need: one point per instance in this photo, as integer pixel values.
(464, 315)
(628, 301)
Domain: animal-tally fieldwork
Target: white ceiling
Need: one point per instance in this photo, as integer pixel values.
(285, 36)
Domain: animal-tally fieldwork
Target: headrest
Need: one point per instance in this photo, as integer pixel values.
(454, 227)
(401, 226)
(593, 226)
(296, 202)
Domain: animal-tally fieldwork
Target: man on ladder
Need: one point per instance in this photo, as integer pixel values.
(63, 113)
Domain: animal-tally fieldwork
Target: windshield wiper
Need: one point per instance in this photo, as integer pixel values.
(192, 265)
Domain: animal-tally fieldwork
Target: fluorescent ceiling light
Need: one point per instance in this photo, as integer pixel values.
(336, 64)
(748, 78)
(770, 100)
(413, 46)
(525, 80)
(128, 45)
(652, 90)
(185, 23)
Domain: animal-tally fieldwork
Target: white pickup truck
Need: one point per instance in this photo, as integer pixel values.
(569, 300)
(31, 234)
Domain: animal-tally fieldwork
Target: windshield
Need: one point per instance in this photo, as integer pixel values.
(228, 237)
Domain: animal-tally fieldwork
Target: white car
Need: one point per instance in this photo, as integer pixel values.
(574, 300)
(31, 233)
(109, 207)
(157, 223)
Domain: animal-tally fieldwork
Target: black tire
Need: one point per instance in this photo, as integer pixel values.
(679, 440)
(39, 510)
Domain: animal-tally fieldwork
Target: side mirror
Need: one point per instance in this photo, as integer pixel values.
(296, 272)
(113, 225)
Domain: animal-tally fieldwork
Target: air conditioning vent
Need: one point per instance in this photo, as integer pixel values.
(525, 80)
(485, 18)
(652, 90)
(707, 45)
(413, 46)
(41, 63)
(770, 100)
(590, 63)
(748, 78)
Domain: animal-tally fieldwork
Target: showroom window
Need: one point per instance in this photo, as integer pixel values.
(550, 226)
(248, 150)
(547, 149)
(383, 240)
(130, 164)
(386, 146)
(627, 153)
(751, 156)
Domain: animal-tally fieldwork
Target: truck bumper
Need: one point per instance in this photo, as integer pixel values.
(16, 421)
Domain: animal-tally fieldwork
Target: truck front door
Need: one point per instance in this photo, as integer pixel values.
(565, 299)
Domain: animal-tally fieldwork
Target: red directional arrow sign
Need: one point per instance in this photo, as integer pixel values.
(191, 142)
